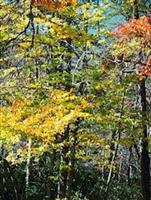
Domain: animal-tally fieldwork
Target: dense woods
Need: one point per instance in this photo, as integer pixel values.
(75, 100)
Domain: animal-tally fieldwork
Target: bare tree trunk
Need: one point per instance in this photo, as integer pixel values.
(64, 162)
(129, 166)
(136, 9)
(60, 178)
(145, 159)
(28, 164)
(72, 160)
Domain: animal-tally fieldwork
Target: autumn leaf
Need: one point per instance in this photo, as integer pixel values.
(53, 5)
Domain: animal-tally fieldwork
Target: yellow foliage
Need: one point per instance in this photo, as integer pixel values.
(46, 121)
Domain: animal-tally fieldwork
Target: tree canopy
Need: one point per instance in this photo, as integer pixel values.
(75, 100)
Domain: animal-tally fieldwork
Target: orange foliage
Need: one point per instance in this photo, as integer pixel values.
(146, 69)
(53, 5)
(135, 27)
(43, 121)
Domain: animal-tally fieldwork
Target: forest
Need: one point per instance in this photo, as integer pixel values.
(75, 100)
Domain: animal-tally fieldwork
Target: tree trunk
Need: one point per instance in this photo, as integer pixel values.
(145, 159)
(129, 167)
(64, 162)
(72, 160)
(136, 9)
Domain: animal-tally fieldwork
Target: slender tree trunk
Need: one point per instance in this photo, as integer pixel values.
(28, 165)
(114, 148)
(64, 162)
(145, 159)
(72, 161)
(136, 9)
(60, 178)
(129, 167)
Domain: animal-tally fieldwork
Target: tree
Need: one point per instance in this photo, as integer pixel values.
(71, 109)
(131, 32)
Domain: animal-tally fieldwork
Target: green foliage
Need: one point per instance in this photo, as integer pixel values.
(70, 112)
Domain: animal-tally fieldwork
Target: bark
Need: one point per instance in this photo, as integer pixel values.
(72, 161)
(129, 167)
(64, 162)
(28, 164)
(67, 158)
(136, 9)
(145, 159)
